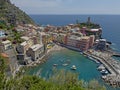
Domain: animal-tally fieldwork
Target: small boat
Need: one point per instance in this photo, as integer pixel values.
(65, 64)
(101, 67)
(81, 52)
(104, 72)
(97, 62)
(73, 67)
(55, 64)
(104, 77)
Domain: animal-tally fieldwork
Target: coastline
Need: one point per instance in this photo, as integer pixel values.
(113, 78)
(110, 79)
(43, 58)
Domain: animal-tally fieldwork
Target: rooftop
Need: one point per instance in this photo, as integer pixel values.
(36, 47)
(5, 42)
(23, 43)
(25, 38)
(85, 37)
(74, 37)
(94, 30)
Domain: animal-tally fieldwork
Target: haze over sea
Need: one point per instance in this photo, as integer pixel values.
(109, 23)
(85, 67)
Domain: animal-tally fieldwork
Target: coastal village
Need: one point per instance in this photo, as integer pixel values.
(27, 45)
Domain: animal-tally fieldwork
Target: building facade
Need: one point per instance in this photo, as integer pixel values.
(84, 43)
(6, 45)
(36, 52)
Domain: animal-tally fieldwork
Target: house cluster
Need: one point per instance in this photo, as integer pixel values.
(31, 49)
(73, 36)
(37, 39)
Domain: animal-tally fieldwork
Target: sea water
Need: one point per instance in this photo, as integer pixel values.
(86, 68)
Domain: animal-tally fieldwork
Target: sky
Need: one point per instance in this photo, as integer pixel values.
(69, 6)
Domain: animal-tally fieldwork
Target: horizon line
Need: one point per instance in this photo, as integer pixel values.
(73, 14)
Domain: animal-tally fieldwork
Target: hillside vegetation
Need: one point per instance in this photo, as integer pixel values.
(10, 14)
(60, 80)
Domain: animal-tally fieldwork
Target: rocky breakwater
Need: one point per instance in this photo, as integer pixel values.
(113, 66)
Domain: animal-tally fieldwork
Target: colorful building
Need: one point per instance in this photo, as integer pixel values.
(73, 41)
(23, 47)
(84, 43)
(91, 42)
(96, 32)
(101, 44)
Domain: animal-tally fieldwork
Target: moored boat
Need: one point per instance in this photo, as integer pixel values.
(104, 72)
(55, 64)
(73, 67)
(65, 64)
(101, 67)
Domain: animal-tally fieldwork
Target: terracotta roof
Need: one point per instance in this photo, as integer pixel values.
(4, 55)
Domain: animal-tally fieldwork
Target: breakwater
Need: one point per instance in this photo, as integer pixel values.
(111, 65)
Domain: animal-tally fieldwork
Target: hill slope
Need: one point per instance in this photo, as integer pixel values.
(11, 14)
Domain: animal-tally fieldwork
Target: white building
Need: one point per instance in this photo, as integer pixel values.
(7, 44)
(36, 51)
(23, 47)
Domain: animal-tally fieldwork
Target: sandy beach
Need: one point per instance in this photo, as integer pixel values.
(55, 48)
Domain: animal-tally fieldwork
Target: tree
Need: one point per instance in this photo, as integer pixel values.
(2, 72)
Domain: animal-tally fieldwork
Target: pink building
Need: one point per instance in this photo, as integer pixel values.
(84, 43)
(83, 29)
(91, 42)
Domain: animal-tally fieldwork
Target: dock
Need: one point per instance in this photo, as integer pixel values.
(112, 66)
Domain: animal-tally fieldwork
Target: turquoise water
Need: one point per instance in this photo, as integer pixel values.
(109, 23)
(85, 67)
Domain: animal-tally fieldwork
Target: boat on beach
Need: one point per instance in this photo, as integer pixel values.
(73, 67)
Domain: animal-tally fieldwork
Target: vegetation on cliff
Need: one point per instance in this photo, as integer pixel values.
(10, 14)
(59, 81)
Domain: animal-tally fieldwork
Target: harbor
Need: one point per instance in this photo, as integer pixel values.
(67, 60)
(113, 67)
(109, 72)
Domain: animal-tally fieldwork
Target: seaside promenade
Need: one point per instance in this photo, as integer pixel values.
(113, 66)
